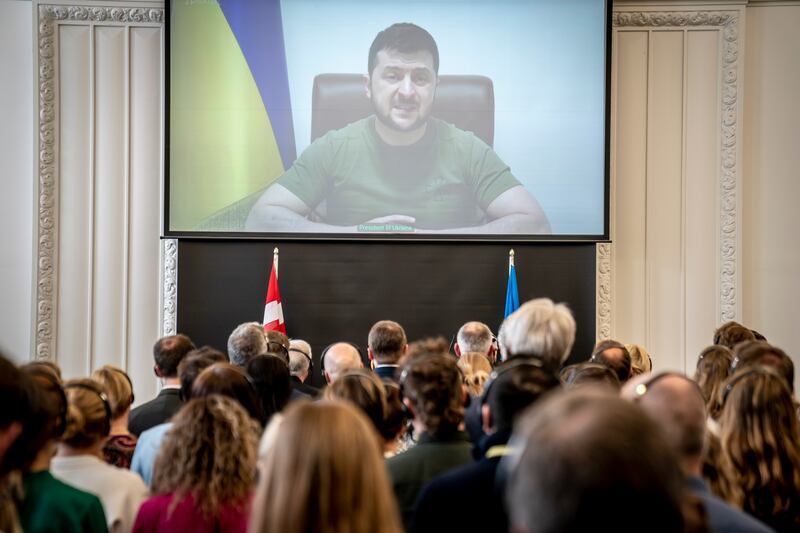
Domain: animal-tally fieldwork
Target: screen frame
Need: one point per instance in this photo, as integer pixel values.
(167, 233)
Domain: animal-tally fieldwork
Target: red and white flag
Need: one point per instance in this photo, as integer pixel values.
(273, 312)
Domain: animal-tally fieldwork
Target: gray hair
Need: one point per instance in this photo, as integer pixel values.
(340, 357)
(299, 357)
(540, 327)
(474, 337)
(245, 342)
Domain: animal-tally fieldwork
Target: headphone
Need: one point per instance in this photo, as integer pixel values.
(308, 356)
(745, 373)
(517, 361)
(102, 395)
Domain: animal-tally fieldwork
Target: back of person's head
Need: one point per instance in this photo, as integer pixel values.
(327, 474)
(426, 347)
(363, 389)
(193, 364)
(339, 357)
(432, 390)
(272, 382)
(760, 460)
(751, 353)
(300, 357)
(387, 341)
(405, 38)
(475, 367)
(246, 341)
(394, 423)
(19, 398)
(732, 333)
(45, 419)
(117, 386)
(614, 355)
(209, 453)
(595, 374)
(231, 381)
(169, 351)
(641, 363)
(217, 355)
(539, 328)
(713, 368)
(590, 461)
(88, 414)
(474, 337)
(677, 405)
(47, 367)
(516, 385)
(278, 344)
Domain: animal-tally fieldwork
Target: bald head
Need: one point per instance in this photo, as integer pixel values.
(340, 357)
(676, 404)
(474, 337)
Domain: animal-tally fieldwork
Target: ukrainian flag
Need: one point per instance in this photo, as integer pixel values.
(231, 131)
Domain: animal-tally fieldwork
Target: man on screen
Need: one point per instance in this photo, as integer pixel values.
(399, 170)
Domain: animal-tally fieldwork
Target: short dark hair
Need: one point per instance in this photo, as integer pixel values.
(231, 381)
(432, 383)
(406, 38)
(589, 373)
(386, 340)
(20, 399)
(193, 364)
(168, 352)
(621, 367)
(751, 353)
(516, 388)
(278, 344)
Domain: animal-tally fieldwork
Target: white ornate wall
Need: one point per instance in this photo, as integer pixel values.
(99, 109)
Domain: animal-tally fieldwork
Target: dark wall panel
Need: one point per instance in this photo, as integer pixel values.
(336, 290)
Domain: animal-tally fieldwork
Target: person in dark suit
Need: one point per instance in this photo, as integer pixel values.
(300, 361)
(386, 344)
(167, 353)
(513, 387)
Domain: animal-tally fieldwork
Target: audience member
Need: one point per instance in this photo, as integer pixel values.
(514, 386)
(231, 381)
(326, 474)
(386, 344)
(732, 333)
(168, 353)
(300, 364)
(476, 337)
(713, 368)
(47, 367)
(363, 389)
(78, 463)
(118, 448)
(278, 344)
(585, 460)
(144, 456)
(339, 357)
(475, 367)
(677, 405)
(760, 460)
(614, 355)
(246, 341)
(270, 376)
(205, 472)
(594, 374)
(394, 426)
(641, 362)
(751, 353)
(48, 503)
(539, 328)
(433, 393)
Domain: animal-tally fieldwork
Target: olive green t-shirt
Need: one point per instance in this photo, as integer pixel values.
(445, 180)
(50, 505)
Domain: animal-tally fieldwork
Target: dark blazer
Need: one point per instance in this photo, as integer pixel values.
(722, 517)
(156, 411)
(469, 498)
(298, 385)
(387, 372)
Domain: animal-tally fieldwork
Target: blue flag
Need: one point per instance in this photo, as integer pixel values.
(512, 294)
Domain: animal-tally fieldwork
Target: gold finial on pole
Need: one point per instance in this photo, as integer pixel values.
(510, 259)
(275, 259)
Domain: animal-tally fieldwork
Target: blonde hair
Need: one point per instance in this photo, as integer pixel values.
(325, 473)
(88, 420)
(476, 369)
(118, 387)
(210, 453)
(760, 461)
(640, 359)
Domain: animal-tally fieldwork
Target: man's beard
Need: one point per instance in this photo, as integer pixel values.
(386, 119)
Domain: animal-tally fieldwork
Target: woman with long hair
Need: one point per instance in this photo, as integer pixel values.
(760, 460)
(205, 471)
(118, 449)
(713, 368)
(79, 461)
(327, 475)
(476, 368)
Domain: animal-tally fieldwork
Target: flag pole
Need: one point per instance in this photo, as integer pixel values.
(275, 259)
(510, 259)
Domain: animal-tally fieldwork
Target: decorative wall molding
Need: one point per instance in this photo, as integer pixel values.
(603, 285)
(49, 16)
(728, 182)
(169, 297)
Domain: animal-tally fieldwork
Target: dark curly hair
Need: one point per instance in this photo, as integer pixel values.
(432, 383)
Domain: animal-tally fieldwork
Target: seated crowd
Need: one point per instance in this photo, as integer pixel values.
(498, 436)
